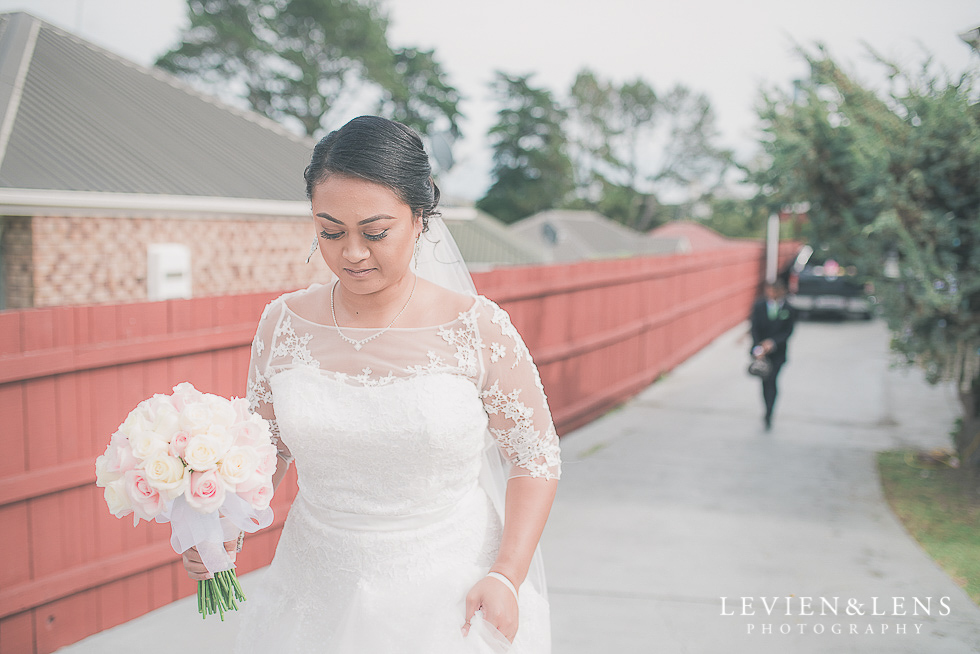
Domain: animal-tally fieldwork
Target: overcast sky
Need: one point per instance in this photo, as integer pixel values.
(725, 49)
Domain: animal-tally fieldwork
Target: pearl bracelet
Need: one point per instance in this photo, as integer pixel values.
(505, 581)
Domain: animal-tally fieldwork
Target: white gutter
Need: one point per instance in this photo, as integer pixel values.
(41, 202)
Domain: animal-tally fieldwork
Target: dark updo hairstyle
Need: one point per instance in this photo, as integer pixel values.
(381, 151)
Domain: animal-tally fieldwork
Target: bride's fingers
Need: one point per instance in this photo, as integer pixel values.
(498, 606)
(192, 557)
(195, 568)
(473, 602)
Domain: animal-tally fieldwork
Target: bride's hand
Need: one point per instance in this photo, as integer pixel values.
(196, 569)
(498, 604)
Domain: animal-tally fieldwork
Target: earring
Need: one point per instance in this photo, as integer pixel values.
(418, 246)
(313, 248)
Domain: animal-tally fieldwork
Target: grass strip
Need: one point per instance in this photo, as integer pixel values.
(939, 506)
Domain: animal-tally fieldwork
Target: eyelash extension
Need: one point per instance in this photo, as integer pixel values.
(335, 235)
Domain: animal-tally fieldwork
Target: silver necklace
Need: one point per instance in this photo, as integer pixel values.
(359, 344)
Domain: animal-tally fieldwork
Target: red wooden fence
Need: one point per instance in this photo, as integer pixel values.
(599, 332)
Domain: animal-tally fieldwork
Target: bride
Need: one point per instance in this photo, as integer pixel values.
(427, 457)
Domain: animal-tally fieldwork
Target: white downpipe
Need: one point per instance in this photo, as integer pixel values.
(772, 248)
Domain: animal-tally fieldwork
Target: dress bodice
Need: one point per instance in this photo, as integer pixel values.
(402, 448)
(401, 423)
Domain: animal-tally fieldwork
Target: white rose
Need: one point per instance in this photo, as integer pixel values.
(147, 443)
(237, 466)
(117, 499)
(135, 422)
(195, 418)
(202, 453)
(166, 421)
(166, 474)
(263, 426)
(222, 412)
(102, 475)
(223, 439)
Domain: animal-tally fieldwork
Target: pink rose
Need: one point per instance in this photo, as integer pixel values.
(257, 491)
(251, 432)
(184, 394)
(268, 460)
(119, 455)
(242, 409)
(179, 444)
(207, 492)
(147, 501)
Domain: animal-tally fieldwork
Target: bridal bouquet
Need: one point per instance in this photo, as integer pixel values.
(202, 462)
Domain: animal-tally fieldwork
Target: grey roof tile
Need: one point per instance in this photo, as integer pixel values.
(582, 235)
(91, 121)
(485, 242)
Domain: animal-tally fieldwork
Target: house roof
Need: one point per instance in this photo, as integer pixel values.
(697, 236)
(567, 235)
(74, 117)
(484, 241)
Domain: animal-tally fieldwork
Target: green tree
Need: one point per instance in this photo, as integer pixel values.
(531, 168)
(893, 185)
(636, 108)
(420, 95)
(737, 217)
(307, 61)
(632, 146)
(690, 158)
(590, 140)
(606, 128)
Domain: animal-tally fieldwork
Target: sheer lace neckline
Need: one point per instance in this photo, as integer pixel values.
(444, 325)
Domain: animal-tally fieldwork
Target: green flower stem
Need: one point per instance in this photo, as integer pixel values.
(219, 594)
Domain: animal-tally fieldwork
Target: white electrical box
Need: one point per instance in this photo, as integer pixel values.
(168, 271)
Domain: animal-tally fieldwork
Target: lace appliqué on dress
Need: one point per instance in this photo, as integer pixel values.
(258, 391)
(286, 342)
(467, 342)
(537, 455)
(502, 320)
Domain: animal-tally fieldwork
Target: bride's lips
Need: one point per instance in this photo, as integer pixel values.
(360, 272)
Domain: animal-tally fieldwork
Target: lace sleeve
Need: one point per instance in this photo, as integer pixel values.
(514, 399)
(258, 392)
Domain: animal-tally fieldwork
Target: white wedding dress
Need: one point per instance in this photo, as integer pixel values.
(396, 516)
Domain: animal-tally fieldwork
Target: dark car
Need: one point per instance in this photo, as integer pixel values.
(820, 285)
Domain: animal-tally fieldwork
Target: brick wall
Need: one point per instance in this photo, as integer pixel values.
(15, 257)
(87, 260)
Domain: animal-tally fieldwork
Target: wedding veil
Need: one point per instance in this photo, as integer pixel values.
(440, 262)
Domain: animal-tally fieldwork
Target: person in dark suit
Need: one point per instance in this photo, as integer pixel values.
(772, 321)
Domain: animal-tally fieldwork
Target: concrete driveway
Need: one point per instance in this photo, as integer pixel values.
(681, 498)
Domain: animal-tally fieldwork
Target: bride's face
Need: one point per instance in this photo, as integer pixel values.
(366, 233)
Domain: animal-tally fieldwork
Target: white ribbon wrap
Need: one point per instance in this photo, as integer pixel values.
(208, 532)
